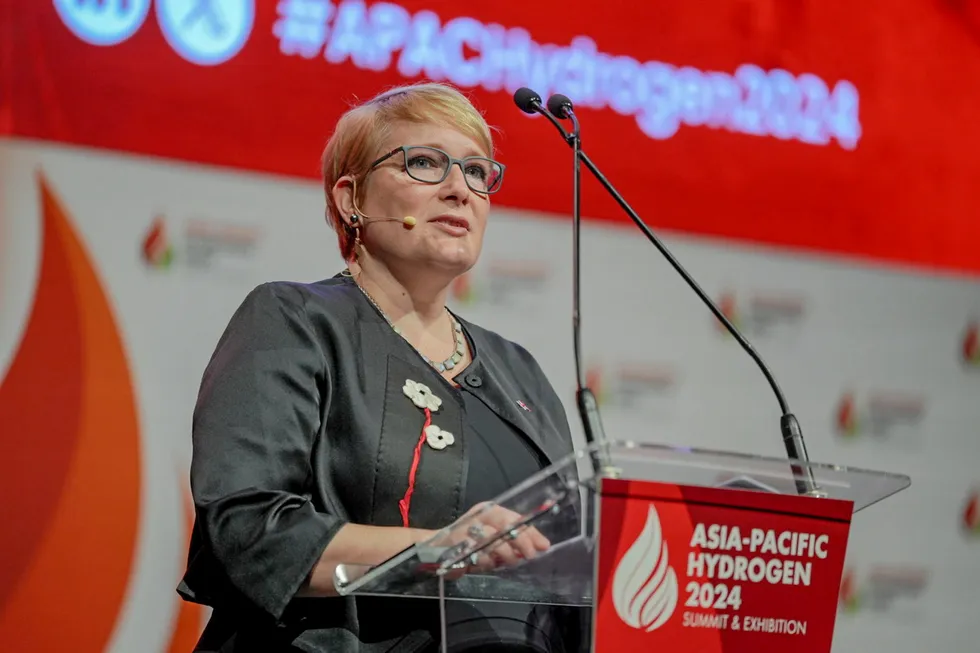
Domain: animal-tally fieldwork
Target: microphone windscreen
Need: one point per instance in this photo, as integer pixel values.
(525, 99)
(558, 103)
(409, 221)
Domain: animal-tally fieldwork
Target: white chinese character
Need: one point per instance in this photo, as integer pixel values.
(302, 26)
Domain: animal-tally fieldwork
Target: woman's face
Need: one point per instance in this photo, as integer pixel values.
(450, 217)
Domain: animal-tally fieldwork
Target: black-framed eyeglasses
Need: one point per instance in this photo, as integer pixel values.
(431, 165)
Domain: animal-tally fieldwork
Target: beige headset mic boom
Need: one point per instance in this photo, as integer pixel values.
(409, 221)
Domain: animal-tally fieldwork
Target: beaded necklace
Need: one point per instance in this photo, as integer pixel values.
(441, 367)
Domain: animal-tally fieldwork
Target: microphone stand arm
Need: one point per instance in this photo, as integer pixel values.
(792, 434)
(585, 399)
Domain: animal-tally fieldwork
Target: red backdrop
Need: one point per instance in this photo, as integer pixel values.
(906, 193)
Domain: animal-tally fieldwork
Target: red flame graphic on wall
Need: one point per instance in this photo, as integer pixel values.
(848, 592)
(729, 308)
(593, 379)
(847, 416)
(71, 484)
(462, 288)
(971, 344)
(971, 514)
(157, 250)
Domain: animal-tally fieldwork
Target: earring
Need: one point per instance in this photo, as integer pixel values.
(354, 219)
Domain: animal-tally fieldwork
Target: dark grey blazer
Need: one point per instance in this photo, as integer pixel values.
(301, 425)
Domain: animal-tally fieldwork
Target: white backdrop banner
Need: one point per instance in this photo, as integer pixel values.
(118, 274)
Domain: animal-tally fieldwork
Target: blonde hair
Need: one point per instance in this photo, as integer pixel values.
(360, 133)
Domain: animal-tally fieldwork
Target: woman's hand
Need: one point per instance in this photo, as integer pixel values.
(481, 523)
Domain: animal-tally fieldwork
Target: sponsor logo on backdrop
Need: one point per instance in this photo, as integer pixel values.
(158, 252)
(103, 22)
(644, 583)
(971, 515)
(760, 314)
(889, 416)
(503, 283)
(646, 388)
(883, 589)
(661, 97)
(206, 32)
(203, 245)
(970, 345)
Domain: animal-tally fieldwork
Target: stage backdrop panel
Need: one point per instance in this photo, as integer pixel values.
(119, 273)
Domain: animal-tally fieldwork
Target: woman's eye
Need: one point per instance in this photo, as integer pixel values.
(476, 171)
(421, 162)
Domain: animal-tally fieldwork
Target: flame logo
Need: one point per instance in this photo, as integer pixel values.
(971, 344)
(157, 251)
(644, 584)
(462, 289)
(849, 602)
(847, 422)
(729, 308)
(593, 379)
(971, 514)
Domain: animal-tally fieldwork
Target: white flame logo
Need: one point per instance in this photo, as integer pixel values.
(644, 585)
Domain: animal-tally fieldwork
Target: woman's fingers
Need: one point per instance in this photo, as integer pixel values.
(519, 542)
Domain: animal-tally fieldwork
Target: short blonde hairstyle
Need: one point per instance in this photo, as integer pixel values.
(360, 133)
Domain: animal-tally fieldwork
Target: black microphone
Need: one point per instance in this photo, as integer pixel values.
(527, 100)
(792, 434)
(588, 406)
(560, 105)
(530, 102)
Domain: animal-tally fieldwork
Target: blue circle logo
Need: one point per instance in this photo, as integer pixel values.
(206, 32)
(103, 22)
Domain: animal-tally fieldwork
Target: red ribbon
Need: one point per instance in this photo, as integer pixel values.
(406, 501)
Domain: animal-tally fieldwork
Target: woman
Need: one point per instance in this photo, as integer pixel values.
(346, 420)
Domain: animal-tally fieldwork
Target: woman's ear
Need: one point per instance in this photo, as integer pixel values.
(343, 197)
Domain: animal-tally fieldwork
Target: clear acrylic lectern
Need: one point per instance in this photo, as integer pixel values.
(560, 502)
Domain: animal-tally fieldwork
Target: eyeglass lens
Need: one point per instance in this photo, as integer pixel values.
(431, 165)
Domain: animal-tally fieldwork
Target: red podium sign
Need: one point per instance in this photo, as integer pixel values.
(717, 570)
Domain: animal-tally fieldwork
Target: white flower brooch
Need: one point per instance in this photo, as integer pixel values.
(421, 395)
(438, 439)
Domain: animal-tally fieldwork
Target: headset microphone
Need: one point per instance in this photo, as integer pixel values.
(409, 221)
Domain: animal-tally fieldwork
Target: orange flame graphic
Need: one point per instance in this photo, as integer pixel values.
(71, 482)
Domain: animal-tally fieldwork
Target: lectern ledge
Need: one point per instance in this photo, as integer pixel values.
(679, 550)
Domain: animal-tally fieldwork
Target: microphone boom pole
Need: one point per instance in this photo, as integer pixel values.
(795, 446)
(585, 399)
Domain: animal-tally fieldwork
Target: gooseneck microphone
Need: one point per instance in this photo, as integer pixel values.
(561, 107)
(588, 406)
